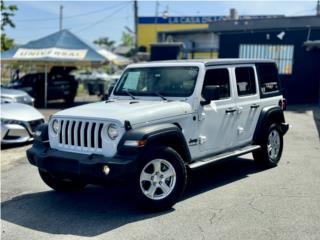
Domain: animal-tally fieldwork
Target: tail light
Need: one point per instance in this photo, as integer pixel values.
(283, 104)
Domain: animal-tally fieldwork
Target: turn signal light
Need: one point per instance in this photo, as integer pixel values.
(135, 143)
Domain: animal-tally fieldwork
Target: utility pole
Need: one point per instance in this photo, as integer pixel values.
(157, 12)
(61, 17)
(135, 10)
(156, 19)
(318, 8)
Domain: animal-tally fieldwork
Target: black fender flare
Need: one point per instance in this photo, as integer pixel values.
(42, 132)
(41, 136)
(268, 115)
(158, 135)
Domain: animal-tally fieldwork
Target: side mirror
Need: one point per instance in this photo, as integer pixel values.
(209, 93)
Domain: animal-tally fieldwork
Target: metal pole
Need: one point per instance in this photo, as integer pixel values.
(61, 18)
(318, 8)
(135, 9)
(45, 85)
(156, 19)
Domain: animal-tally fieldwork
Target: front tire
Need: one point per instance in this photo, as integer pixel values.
(60, 184)
(271, 147)
(160, 179)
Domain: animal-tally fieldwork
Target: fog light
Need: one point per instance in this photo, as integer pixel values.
(106, 170)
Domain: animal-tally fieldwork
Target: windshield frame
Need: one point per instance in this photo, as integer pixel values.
(115, 92)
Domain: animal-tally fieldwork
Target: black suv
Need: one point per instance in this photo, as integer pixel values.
(61, 85)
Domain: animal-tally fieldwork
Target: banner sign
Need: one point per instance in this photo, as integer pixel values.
(60, 53)
(196, 19)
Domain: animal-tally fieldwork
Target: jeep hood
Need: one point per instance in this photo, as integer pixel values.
(136, 112)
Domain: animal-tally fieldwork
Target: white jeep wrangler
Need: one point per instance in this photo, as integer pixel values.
(161, 119)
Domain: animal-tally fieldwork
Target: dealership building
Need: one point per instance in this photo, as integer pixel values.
(293, 42)
(150, 31)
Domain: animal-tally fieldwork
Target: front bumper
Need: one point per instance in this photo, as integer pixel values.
(88, 168)
(15, 133)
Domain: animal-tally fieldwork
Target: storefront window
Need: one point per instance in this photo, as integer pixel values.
(282, 54)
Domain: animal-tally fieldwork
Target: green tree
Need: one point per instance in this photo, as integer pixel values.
(104, 42)
(127, 39)
(7, 12)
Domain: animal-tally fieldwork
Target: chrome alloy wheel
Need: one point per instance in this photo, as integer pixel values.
(273, 144)
(157, 179)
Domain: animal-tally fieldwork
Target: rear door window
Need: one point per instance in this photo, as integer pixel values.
(246, 84)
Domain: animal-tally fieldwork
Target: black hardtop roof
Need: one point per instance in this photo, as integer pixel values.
(219, 61)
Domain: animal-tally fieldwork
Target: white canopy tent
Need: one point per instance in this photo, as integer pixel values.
(114, 58)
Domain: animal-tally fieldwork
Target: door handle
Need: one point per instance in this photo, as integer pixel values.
(230, 110)
(254, 106)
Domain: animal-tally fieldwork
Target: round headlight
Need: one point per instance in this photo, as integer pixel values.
(55, 126)
(113, 131)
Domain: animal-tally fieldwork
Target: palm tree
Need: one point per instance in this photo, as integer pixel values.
(104, 42)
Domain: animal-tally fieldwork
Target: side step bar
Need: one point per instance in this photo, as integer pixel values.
(234, 153)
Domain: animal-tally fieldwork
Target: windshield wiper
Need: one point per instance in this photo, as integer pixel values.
(160, 95)
(129, 93)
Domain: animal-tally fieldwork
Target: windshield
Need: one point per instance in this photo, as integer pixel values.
(158, 81)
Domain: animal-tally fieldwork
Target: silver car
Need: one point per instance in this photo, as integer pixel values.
(10, 96)
(18, 122)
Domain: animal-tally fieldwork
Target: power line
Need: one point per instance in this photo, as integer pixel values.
(77, 26)
(102, 19)
(169, 9)
(72, 16)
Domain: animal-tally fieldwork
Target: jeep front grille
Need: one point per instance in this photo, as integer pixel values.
(83, 134)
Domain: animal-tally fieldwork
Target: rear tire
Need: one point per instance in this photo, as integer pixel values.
(160, 179)
(60, 184)
(271, 147)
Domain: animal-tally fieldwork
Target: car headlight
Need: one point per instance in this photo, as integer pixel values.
(7, 99)
(113, 131)
(10, 121)
(55, 126)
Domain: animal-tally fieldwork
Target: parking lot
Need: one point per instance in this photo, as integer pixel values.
(232, 199)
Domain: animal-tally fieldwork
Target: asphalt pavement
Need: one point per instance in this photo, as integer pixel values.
(232, 199)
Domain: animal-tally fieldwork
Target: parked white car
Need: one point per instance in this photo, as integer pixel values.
(161, 119)
(19, 122)
(15, 96)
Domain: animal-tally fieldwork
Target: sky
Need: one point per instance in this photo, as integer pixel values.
(93, 19)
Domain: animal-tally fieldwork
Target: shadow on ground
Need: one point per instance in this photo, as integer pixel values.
(97, 210)
(14, 145)
(315, 109)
